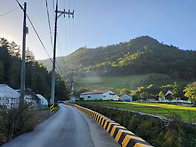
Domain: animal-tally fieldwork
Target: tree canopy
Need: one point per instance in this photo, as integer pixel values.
(138, 56)
(38, 78)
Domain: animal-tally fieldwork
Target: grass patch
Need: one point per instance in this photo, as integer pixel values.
(165, 110)
(159, 133)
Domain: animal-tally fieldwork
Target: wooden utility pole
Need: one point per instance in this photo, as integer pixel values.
(72, 85)
(54, 52)
(22, 86)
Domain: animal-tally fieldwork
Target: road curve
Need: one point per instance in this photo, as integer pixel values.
(66, 128)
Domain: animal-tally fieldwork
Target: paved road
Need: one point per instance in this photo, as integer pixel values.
(66, 128)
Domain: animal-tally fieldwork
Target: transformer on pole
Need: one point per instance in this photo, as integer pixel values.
(54, 52)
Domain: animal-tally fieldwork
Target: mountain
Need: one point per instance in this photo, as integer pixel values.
(141, 55)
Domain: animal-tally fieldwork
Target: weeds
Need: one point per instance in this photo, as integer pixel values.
(9, 122)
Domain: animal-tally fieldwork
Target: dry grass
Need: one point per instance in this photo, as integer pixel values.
(39, 116)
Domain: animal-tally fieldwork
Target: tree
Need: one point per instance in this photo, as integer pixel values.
(144, 95)
(14, 49)
(61, 91)
(125, 91)
(37, 76)
(1, 72)
(140, 89)
(3, 42)
(29, 56)
(177, 91)
(161, 94)
(6, 60)
(153, 89)
(165, 88)
(14, 74)
(190, 92)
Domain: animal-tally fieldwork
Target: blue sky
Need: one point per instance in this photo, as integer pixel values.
(101, 23)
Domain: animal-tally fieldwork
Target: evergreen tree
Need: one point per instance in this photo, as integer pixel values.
(37, 76)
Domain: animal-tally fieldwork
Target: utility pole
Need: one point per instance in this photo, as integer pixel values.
(72, 85)
(54, 52)
(22, 86)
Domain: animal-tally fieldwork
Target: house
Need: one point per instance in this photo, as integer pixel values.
(31, 97)
(8, 96)
(125, 97)
(43, 101)
(168, 95)
(98, 95)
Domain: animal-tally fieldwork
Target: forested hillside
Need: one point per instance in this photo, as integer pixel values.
(138, 56)
(38, 78)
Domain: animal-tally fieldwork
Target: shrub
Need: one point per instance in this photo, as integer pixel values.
(10, 125)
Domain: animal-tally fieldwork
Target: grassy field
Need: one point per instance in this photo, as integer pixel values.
(166, 110)
(131, 82)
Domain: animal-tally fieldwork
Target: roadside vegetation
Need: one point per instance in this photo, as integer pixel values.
(187, 114)
(162, 133)
(9, 121)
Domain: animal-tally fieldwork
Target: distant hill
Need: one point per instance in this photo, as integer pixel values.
(132, 82)
(141, 55)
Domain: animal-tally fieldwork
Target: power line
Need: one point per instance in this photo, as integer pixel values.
(19, 4)
(74, 4)
(8, 12)
(35, 30)
(43, 44)
(58, 67)
(51, 36)
(49, 22)
(38, 36)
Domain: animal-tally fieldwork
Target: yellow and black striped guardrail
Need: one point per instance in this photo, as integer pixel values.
(123, 136)
(52, 108)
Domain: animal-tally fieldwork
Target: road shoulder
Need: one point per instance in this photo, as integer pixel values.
(99, 136)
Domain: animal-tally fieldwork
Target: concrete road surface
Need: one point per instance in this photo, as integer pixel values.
(67, 128)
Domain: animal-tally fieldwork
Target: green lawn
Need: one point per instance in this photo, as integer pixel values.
(166, 110)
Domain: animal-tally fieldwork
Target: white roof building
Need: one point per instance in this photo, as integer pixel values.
(168, 93)
(8, 96)
(43, 100)
(98, 95)
(126, 98)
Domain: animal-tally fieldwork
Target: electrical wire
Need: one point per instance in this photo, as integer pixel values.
(40, 39)
(74, 4)
(38, 36)
(19, 5)
(67, 34)
(8, 12)
(58, 67)
(49, 22)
